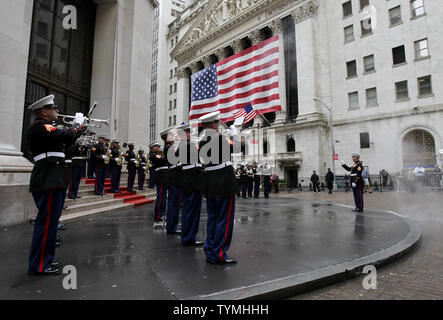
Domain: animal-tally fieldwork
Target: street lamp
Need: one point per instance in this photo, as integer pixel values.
(331, 125)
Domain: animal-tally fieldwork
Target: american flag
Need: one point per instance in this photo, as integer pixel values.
(248, 77)
(248, 112)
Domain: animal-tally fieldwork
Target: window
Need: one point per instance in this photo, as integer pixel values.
(353, 101)
(175, 103)
(364, 140)
(401, 90)
(347, 9)
(363, 4)
(170, 74)
(172, 42)
(371, 97)
(290, 145)
(395, 16)
(366, 27)
(349, 33)
(351, 68)
(170, 105)
(170, 89)
(175, 87)
(175, 120)
(369, 63)
(399, 55)
(421, 49)
(417, 8)
(424, 86)
(170, 121)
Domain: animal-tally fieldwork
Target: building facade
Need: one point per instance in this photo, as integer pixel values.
(99, 60)
(373, 63)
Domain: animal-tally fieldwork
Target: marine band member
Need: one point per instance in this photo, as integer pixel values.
(48, 181)
(357, 182)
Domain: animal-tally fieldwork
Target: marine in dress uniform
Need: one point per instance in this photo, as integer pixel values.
(108, 167)
(173, 184)
(267, 180)
(257, 179)
(132, 166)
(357, 182)
(99, 155)
(141, 170)
(191, 184)
(250, 180)
(161, 166)
(115, 166)
(220, 189)
(48, 181)
(91, 161)
(244, 180)
(77, 154)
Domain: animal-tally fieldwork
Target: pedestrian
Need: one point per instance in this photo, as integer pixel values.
(330, 178)
(366, 176)
(276, 184)
(315, 181)
(384, 177)
(357, 182)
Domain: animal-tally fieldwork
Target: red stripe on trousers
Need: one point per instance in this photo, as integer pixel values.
(45, 235)
(227, 228)
(160, 202)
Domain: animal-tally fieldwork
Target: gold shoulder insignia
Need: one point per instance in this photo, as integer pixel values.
(49, 128)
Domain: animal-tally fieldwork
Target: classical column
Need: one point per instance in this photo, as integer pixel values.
(255, 37)
(194, 67)
(236, 46)
(206, 61)
(183, 84)
(16, 204)
(221, 54)
(276, 27)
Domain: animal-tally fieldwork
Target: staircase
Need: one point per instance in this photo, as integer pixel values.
(91, 204)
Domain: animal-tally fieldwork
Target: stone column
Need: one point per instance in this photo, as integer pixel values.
(255, 37)
(206, 61)
(236, 46)
(276, 27)
(16, 203)
(221, 54)
(183, 84)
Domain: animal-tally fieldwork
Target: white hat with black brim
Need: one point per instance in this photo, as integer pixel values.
(210, 117)
(42, 103)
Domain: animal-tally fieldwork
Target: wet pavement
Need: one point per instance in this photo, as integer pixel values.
(120, 256)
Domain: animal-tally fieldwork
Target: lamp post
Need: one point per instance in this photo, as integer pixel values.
(331, 125)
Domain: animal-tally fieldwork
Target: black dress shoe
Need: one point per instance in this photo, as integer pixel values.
(226, 261)
(65, 207)
(78, 197)
(51, 271)
(55, 265)
(177, 232)
(71, 198)
(195, 244)
(61, 227)
(57, 244)
(230, 261)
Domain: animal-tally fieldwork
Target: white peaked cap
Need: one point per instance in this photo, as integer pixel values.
(46, 101)
(210, 117)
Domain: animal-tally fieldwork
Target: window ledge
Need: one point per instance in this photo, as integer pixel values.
(348, 16)
(418, 17)
(367, 35)
(431, 95)
(369, 72)
(352, 77)
(353, 109)
(422, 58)
(374, 106)
(403, 100)
(399, 65)
(396, 24)
(349, 41)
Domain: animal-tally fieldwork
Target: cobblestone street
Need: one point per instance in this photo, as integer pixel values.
(419, 274)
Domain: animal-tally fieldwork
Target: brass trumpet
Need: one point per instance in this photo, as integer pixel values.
(91, 123)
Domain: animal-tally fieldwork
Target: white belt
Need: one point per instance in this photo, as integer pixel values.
(220, 166)
(78, 158)
(68, 161)
(162, 168)
(175, 166)
(49, 154)
(192, 166)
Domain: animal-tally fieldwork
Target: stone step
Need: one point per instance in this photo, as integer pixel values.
(141, 202)
(108, 209)
(93, 205)
(88, 199)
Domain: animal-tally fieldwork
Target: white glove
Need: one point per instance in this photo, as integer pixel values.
(342, 163)
(104, 157)
(354, 185)
(79, 118)
(233, 130)
(117, 159)
(133, 160)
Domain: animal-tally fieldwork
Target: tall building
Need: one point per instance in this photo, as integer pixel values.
(374, 63)
(99, 60)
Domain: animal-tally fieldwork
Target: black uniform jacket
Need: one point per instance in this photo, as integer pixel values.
(221, 182)
(356, 171)
(158, 160)
(142, 162)
(43, 137)
(130, 157)
(78, 155)
(192, 180)
(115, 154)
(174, 174)
(98, 151)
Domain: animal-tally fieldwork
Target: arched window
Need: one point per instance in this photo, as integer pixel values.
(290, 145)
(418, 149)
